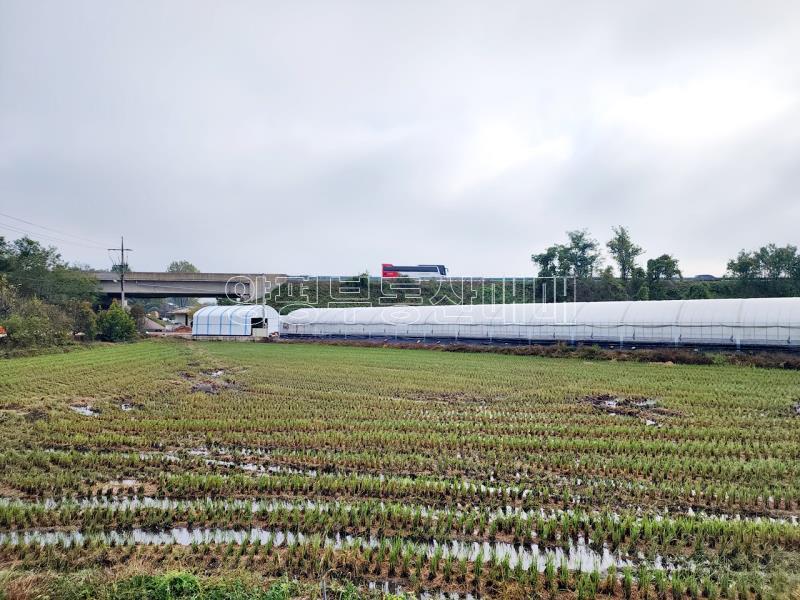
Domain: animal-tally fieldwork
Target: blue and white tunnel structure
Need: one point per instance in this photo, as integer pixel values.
(238, 321)
(751, 322)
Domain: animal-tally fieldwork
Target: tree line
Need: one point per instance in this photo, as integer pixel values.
(769, 270)
(44, 301)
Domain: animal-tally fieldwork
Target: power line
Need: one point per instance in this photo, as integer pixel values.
(46, 237)
(94, 242)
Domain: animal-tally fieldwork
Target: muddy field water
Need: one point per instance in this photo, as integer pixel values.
(647, 410)
(397, 589)
(86, 411)
(200, 450)
(256, 461)
(576, 554)
(255, 506)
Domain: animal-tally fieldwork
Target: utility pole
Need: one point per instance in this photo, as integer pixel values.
(122, 267)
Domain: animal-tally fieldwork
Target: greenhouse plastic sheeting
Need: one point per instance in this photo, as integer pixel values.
(232, 320)
(752, 321)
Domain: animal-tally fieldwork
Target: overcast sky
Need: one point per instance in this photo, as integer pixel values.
(329, 137)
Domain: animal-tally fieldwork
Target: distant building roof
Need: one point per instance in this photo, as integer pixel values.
(705, 277)
(151, 325)
(181, 311)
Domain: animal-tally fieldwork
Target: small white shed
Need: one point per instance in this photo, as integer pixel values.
(241, 320)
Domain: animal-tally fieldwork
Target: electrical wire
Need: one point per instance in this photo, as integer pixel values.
(173, 287)
(61, 233)
(46, 237)
(177, 289)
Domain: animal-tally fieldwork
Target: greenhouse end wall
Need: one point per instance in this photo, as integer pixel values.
(234, 321)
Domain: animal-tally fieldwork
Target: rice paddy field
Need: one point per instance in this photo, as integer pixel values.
(288, 469)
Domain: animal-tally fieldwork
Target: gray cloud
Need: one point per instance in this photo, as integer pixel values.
(329, 137)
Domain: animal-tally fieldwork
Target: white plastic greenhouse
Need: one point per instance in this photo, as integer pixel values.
(734, 322)
(244, 320)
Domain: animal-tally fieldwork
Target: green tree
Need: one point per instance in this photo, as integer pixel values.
(84, 319)
(623, 251)
(768, 262)
(583, 253)
(664, 267)
(29, 321)
(610, 288)
(8, 296)
(116, 325)
(744, 266)
(643, 293)
(769, 271)
(182, 266)
(777, 262)
(795, 272)
(661, 273)
(548, 261)
(35, 270)
(698, 291)
(578, 258)
(138, 315)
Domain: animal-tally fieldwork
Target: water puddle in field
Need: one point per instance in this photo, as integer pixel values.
(645, 403)
(117, 502)
(431, 595)
(133, 503)
(159, 456)
(123, 483)
(575, 554)
(206, 387)
(250, 467)
(86, 411)
(398, 589)
(259, 468)
(126, 407)
(648, 410)
(212, 387)
(225, 451)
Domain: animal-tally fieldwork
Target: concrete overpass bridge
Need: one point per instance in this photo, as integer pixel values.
(143, 284)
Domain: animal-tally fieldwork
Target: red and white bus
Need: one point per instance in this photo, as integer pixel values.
(416, 271)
